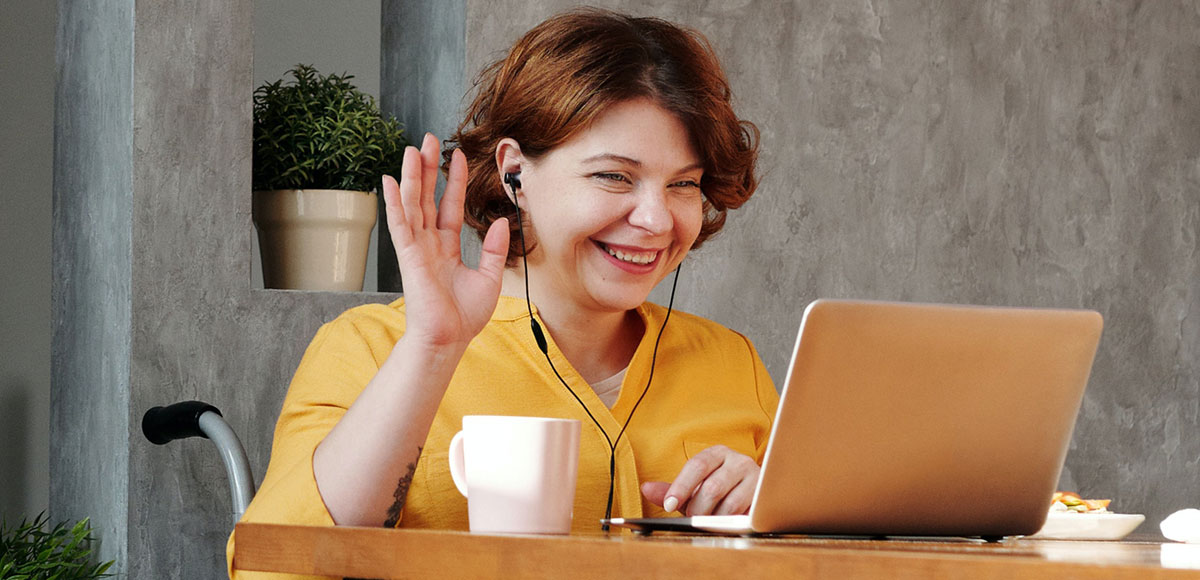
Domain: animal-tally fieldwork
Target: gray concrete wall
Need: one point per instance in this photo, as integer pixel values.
(335, 37)
(26, 175)
(962, 152)
(991, 152)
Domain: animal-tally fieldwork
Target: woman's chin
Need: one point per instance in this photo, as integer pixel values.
(624, 299)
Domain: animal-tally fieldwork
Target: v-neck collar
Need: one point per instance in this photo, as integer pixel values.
(512, 309)
(629, 501)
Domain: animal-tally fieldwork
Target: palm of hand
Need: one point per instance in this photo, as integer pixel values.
(446, 302)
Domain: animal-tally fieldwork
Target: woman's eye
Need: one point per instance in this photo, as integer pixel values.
(616, 177)
(686, 187)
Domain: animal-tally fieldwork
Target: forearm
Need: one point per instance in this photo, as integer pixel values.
(363, 467)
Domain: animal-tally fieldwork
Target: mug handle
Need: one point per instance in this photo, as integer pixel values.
(457, 459)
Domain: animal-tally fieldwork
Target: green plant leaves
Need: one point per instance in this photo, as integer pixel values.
(30, 552)
(320, 132)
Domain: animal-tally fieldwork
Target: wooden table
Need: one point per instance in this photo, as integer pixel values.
(387, 553)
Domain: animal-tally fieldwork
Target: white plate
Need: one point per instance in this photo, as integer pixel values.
(1077, 526)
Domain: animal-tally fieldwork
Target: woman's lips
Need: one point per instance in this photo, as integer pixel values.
(630, 259)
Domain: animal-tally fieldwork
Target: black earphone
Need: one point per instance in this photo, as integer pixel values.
(513, 180)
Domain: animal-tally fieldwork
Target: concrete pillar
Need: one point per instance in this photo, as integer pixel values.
(422, 79)
(152, 291)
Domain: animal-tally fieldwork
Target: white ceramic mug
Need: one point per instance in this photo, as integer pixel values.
(517, 473)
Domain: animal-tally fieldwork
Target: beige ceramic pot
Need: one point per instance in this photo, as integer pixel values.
(314, 239)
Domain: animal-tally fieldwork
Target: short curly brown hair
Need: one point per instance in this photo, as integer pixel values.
(565, 72)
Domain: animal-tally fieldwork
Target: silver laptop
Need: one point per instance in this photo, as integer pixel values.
(904, 419)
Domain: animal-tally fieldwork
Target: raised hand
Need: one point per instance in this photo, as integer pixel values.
(364, 465)
(447, 303)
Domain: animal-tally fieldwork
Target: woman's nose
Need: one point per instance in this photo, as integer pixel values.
(651, 211)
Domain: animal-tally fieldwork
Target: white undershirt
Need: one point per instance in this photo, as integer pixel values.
(609, 389)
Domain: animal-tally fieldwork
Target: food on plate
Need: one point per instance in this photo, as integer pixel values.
(1074, 518)
(1069, 501)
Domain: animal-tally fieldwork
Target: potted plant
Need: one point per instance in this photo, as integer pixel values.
(31, 552)
(320, 149)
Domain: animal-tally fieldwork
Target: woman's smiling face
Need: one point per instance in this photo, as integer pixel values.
(613, 209)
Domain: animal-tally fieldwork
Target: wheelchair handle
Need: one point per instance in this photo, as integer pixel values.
(161, 425)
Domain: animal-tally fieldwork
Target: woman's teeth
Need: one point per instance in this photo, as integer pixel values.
(641, 258)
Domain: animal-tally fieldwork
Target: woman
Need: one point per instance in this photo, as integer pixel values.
(624, 154)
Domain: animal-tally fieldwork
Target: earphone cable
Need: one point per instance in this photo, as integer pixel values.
(654, 356)
(540, 338)
(612, 458)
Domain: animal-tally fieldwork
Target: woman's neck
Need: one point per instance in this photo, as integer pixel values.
(598, 344)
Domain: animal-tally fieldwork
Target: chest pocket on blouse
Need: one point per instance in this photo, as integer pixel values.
(743, 444)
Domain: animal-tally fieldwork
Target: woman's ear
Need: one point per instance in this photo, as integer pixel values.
(509, 160)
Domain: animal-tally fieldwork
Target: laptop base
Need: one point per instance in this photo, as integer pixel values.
(740, 526)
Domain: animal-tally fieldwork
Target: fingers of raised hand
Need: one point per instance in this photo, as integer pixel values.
(396, 220)
(430, 155)
(404, 207)
(494, 253)
(450, 212)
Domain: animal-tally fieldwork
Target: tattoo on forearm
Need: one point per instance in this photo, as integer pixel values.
(393, 513)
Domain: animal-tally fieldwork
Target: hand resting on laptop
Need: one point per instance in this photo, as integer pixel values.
(717, 481)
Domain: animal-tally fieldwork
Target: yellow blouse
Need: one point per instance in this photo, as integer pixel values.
(709, 388)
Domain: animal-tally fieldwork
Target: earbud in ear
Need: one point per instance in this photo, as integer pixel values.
(513, 180)
(514, 183)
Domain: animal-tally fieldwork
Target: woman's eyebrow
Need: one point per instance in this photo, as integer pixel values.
(613, 157)
(635, 162)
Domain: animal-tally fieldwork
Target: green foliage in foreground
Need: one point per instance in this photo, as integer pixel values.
(320, 132)
(30, 552)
